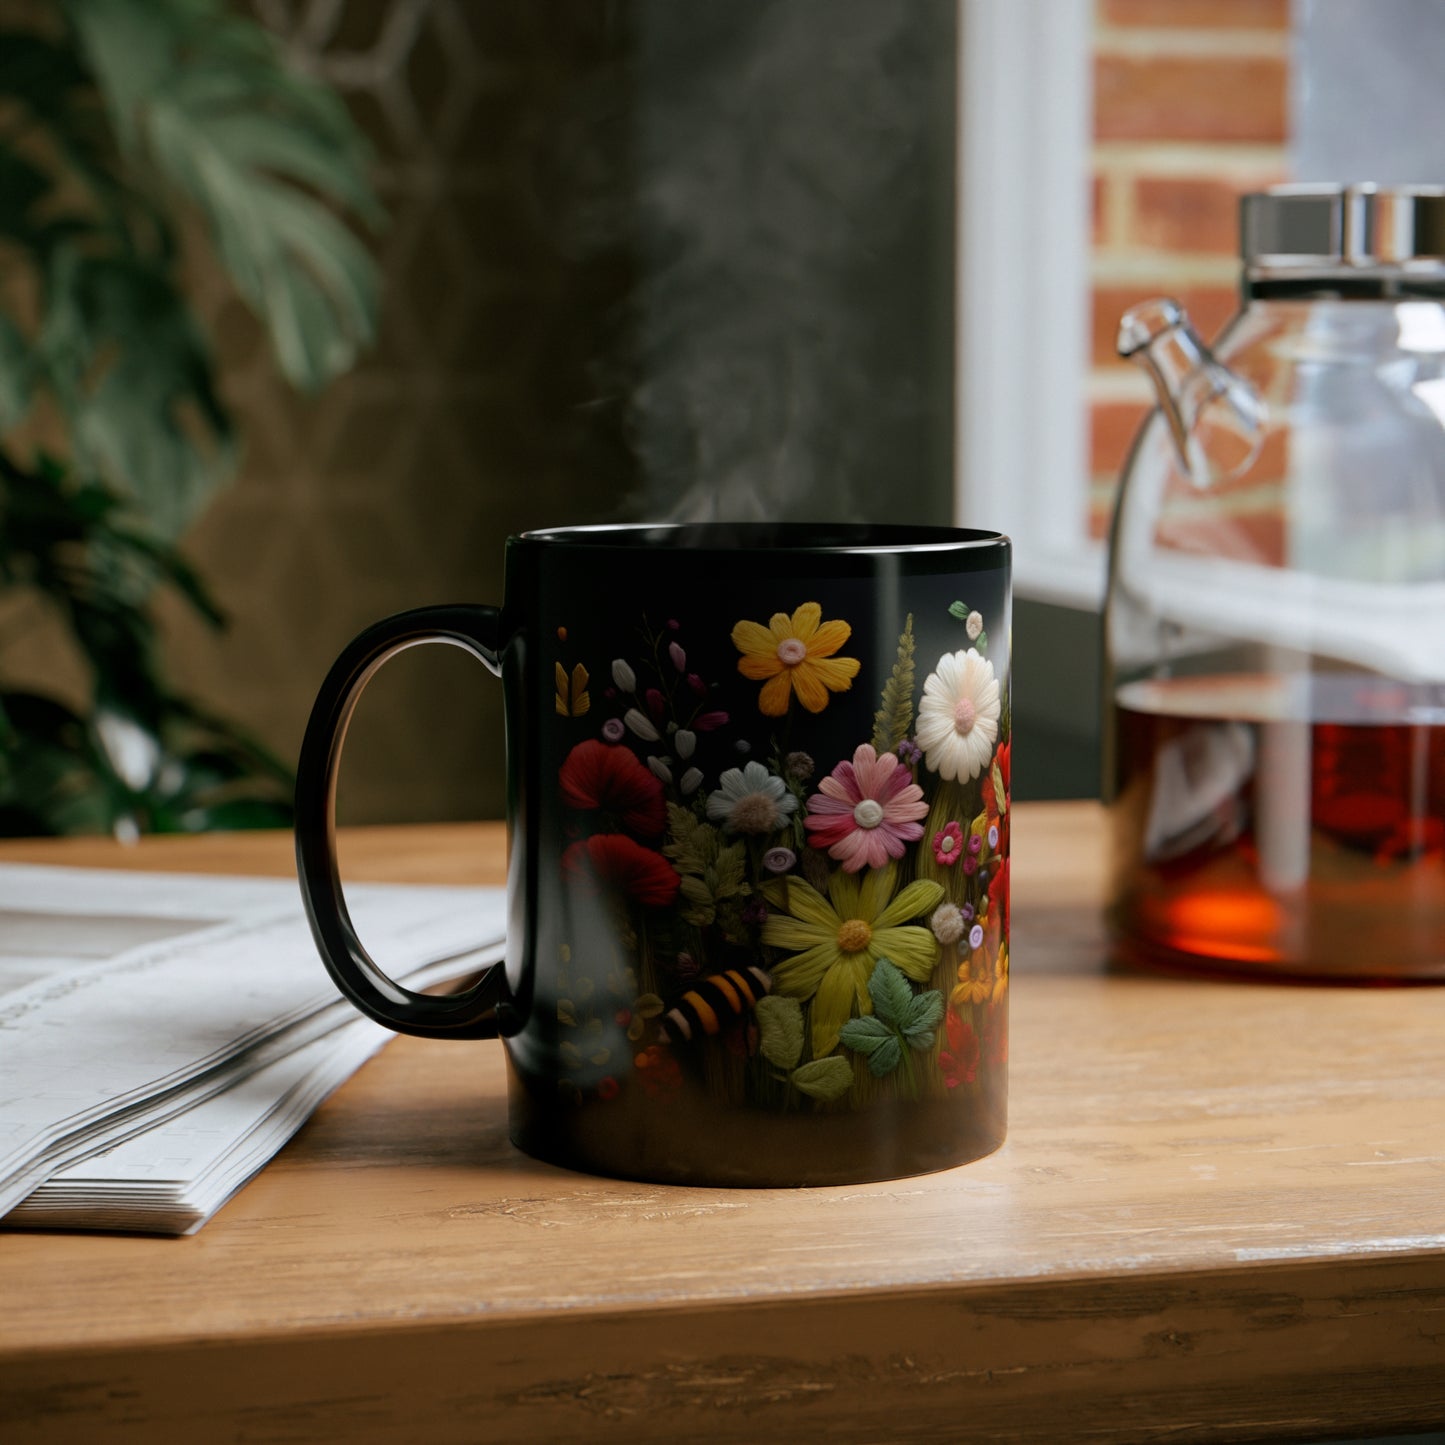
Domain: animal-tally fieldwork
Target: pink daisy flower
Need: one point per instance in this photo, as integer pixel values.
(866, 811)
(948, 845)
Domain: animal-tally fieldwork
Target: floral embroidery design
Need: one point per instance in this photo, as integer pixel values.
(866, 811)
(835, 941)
(613, 861)
(948, 844)
(760, 918)
(959, 1060)
(794, 656)
(958, 716)
(599, 778)
(751, 800)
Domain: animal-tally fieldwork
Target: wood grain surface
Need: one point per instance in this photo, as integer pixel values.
(1220, 1214)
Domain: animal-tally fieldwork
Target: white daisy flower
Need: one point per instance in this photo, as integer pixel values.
(958, 715)
(751, 800)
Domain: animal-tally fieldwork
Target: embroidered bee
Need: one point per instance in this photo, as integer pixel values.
(713, 1002)
(573, 699)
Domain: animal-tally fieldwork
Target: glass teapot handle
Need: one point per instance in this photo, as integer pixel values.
(1216, 419)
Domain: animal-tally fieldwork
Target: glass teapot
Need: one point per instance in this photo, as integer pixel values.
(1275, 623)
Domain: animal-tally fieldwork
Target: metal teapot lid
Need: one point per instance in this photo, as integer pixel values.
(1342, 231)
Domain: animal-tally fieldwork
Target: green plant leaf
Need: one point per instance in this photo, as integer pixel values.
(827, 1079)
(780, 1030)
(692, 844)
(890, 993)
(207, 100)
(16, 373)
(958, 611)
(133, 375)
(920, 1025)
(865, 1035)
(700, 908)
(648, 1006)
(886, 1057)
(728, 874)
(895, 715)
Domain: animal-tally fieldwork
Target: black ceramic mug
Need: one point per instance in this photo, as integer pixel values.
(758, 796)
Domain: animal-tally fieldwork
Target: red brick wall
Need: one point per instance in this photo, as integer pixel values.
(1190, 111)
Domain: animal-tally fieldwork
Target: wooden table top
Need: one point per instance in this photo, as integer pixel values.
(1220, 1213)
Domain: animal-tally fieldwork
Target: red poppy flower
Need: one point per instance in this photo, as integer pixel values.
(998, 895)
(612, 780)
(614, 861)
(959, 1061)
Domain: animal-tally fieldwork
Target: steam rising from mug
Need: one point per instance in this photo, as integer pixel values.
(787, 339)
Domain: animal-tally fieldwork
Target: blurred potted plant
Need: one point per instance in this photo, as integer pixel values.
(120, 121)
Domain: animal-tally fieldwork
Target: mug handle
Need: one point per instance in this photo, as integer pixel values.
(467, 1015)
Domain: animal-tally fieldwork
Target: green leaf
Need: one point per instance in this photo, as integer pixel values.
(895, 715)
(132, 374)
(865, 1035)
(692, 844)
(922, 1018)
(885, 1058)
(206, 99)
(958, 610)
(780, 1030)
(890, 993)
(232, 815)
(700, 908)
(16, 373)
(827, 1079)
(728, 874)
(174, 569)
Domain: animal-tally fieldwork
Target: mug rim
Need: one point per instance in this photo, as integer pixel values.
(800, 538)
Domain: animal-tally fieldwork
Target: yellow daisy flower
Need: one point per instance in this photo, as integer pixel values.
(839, 938)
(795, 655)
(1000, 982)
(974, 983)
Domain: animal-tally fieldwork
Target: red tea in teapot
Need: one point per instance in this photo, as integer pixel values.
(1290, 825)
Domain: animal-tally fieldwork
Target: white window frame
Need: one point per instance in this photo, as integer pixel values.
(1025, 122)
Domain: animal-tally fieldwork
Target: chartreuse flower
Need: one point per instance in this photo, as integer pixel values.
(795, 655)
(837, 940)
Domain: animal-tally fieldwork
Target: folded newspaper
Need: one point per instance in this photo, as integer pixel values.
(162, 1035)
